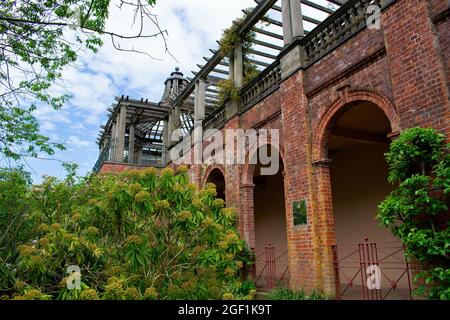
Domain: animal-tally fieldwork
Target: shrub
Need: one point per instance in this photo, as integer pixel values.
(136, 235)
(417, 211)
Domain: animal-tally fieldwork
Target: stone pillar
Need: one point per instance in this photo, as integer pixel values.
(292, 20)
(231, 67)
(196, 95)
(139, 155)
(131, 144)
(121, 126)
(200, 99)
(287, 21)
(296, 19)
(238, 66)
(113, 146)
(166, 142)
(174, 123)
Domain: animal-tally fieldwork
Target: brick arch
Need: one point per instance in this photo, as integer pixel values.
(346, 97)
(248, 170)
(210, 169)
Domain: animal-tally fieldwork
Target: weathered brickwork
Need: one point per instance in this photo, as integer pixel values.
(417, 72)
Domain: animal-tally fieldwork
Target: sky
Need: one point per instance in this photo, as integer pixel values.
(193, 27)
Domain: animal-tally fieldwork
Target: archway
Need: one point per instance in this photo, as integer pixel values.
(216, 177)
(357, 142)
(270, 230)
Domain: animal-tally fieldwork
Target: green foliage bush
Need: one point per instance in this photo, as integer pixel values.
(417, 211)
(137, 235)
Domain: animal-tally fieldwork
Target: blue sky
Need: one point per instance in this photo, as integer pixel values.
(193, 27)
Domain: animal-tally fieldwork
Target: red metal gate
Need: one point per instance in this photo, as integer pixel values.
(372, 271)
(271, 269)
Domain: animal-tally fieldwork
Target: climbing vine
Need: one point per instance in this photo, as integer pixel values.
(229, 41)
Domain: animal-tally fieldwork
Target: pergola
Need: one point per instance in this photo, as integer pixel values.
(138, 129)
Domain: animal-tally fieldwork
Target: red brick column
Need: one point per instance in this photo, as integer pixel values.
(247, 214)
(417, 70)
(326, 224)
(303, 249)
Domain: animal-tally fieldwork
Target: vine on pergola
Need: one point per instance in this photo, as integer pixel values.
(229, 41)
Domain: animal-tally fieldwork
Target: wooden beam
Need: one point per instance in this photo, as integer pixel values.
(267, 45)
(278, 8)
(317, 6)
(210, 78)
(268, 33)
(215, 70)
(262, 54)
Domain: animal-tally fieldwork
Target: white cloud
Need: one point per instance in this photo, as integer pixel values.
(76, 143)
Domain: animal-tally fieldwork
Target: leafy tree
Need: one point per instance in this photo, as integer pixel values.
(38, 39)
(417, 211)
(136, 235)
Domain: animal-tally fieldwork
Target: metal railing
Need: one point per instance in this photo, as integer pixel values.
(270, 269)
(105, 156)
(147, 158)
(372, 271)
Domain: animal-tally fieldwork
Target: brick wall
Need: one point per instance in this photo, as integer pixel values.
(417, 72)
